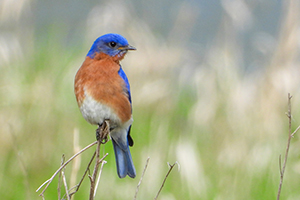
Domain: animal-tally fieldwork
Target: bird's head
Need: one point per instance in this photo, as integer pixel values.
(111, 44)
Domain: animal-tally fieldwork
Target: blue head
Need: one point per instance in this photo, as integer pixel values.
(111, 44)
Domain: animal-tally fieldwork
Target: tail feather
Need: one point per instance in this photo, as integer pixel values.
(124, 161)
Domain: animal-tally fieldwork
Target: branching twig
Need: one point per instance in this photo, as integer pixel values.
(95, 172)
(138, 186)
(87, 169)
(61, 167)
(65, 183)
(295, 131)
(282, 169)
(103, 132)
(163, 183)
(100, 172)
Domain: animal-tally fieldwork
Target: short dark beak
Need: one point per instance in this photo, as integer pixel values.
(128, 47)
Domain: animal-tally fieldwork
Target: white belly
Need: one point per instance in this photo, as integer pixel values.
(95, 112)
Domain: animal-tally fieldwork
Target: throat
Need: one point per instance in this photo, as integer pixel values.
(117, 58)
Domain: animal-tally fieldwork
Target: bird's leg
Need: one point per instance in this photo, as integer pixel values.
(98, 130)
(103, 131)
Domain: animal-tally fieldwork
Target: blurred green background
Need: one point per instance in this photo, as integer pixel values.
(209, 87)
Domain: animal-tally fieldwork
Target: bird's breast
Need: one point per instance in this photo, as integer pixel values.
(100, 92)
(96, 112)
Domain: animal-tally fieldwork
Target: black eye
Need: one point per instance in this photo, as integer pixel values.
(112, 44)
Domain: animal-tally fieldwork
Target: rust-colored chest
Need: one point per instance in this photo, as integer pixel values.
(99, 79)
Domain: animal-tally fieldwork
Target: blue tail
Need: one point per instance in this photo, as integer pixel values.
(124, 161)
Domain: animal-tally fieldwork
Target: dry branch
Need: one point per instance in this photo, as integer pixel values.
(102, 134)
(84, 174)
(100, 172)
(65, 183)
(282, 169)
(163, 183)
(59, 178)
(138, 186)
(61, 167)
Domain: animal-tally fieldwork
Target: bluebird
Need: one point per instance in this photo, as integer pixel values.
(103, 93)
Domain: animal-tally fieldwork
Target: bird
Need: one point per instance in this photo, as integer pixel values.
(102, 92)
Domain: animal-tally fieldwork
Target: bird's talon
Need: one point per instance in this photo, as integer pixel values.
(98, 137)
(102, 132)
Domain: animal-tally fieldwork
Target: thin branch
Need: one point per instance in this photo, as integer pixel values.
(140, 182)
(163, 183)
(282, 169)
(65, 183)
(59, 178)
(87, 170)
(61, 167)
(80, 182)
(102, 133)
(94, 175)
(295, 131)
(102, 161)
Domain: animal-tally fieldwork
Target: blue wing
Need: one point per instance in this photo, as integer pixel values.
(121, 144)
(124, 77)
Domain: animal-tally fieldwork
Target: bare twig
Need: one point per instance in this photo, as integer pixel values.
(65, 183)
(95, 172)
(80, 182)
(59, 178)
(295, 131)
(100, 172)
(87, 170)
(282, 169)
(163, 183)
(138, 186)
(103, 132)
(47, 182)
(102, 162)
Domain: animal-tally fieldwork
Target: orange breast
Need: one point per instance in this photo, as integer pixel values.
(99, 78)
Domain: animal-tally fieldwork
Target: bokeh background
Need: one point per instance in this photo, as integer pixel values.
(209, 83)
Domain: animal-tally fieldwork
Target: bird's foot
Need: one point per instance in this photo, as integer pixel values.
(102, 132)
